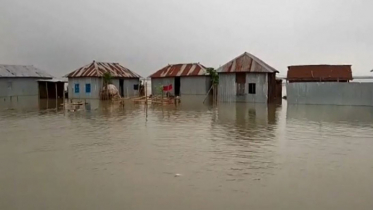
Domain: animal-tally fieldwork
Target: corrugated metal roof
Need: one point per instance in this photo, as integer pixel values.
(319, 73)
(181, 70)
(22, 71)
(98, 69)
(246, 63)
(54, 80)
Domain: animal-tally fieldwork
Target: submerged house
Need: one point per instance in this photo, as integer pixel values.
(87, 81)
(319, 73)
(326, 85)
(28, 81)
(246, 78)
(183, 80)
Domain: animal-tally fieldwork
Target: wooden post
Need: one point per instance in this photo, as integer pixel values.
(213, 94)
(216, 93)
(146, 100)
(207, 95)
(63, 97)
(55, 84)
(46, 86)
(39, 94)
(127, 93)
(162, 98)
(146, 92)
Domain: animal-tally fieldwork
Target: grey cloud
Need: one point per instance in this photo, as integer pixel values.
(145, 35)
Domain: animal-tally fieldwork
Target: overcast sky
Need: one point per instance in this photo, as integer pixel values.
(60, 36)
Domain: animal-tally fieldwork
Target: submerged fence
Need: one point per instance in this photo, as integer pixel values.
(355, 94)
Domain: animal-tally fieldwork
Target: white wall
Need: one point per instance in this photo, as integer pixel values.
(261, 81)
(128, 87)
(96, 85)
(228, 88)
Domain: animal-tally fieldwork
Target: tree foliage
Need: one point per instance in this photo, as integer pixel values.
(213, 75)
(107, 78)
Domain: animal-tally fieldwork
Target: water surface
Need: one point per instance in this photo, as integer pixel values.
(234, 156)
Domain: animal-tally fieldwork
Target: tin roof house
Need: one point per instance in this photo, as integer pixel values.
(319, 73)
(246, 78)
(87, 81)
(190, 79)
(326, 85)
(28, 81)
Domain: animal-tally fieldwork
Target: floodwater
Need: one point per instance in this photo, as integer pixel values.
(234, 156)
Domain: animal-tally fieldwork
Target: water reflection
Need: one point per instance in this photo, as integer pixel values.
(249, 134)
(29, 103)
(249, 116)
(230, 156)
(332, 114)
(19, 103)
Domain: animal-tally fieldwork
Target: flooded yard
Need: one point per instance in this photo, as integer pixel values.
(234, 156)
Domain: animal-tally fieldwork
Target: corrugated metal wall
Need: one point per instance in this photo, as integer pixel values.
(18, 87)
(188, 85)
(261, 81)
(194, 85)
(159, 82)
(128, 87)
(96, 86)
(330, 93)
(227, 88)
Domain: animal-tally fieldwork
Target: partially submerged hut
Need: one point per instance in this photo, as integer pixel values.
(181, 80)
(87, 82)
(326, 85)
(246, 78)
(319, 73)
(28, 81)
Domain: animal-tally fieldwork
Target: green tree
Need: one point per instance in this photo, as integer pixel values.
(213, 75)
(107, 78)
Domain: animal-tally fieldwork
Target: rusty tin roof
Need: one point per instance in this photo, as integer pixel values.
(246, 63)
(23, 71)
(319, 73)
(97, 69)
(181, 70)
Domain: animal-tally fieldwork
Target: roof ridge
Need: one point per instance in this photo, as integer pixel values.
(257, 60)
(16, 65)
(165, 69)
(95, 69)
(183, 63)
(261, 61)
(105, 62)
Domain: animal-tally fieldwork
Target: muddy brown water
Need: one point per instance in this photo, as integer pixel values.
(234, 156)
